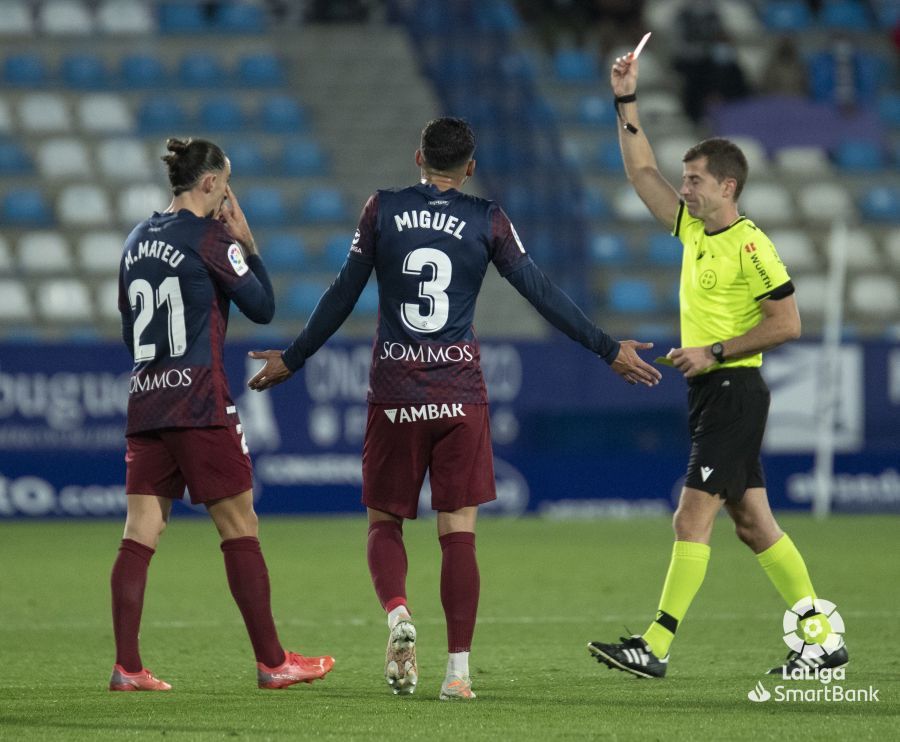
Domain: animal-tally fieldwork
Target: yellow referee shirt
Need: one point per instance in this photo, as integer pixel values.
(724, 276)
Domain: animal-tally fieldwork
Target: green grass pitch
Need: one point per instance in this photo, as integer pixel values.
(547, 589)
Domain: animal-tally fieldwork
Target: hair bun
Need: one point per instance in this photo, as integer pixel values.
(177, 145)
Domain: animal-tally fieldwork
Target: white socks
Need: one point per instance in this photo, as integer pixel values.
(401, 611)
(458, 664)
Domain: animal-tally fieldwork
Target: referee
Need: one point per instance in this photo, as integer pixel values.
(736, 301)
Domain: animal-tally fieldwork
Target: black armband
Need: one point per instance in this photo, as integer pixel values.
(630, 128)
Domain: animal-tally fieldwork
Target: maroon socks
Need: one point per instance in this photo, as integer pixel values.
(460, 585)
(128, 580)
(387, 563)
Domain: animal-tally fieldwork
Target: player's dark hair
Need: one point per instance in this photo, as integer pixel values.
(447, 143)
(724, 159)
(189, 159)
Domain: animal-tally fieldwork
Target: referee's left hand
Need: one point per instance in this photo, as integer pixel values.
(691, 361)
(274, 372)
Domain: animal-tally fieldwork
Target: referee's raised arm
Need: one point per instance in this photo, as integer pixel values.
(640, 163)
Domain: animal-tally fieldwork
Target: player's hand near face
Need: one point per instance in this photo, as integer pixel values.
(274, 372)
(631, 367)
(624, 74)
(691, 361)
(232, 216)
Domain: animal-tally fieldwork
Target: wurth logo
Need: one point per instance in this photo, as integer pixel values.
(424, 412)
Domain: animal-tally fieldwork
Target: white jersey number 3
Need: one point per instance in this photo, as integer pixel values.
(140, 292)
(432, 289)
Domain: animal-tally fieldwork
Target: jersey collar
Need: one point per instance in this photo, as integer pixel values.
(725, 229)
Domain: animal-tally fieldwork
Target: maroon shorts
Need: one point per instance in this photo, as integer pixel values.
(212, 462)
(451, 441)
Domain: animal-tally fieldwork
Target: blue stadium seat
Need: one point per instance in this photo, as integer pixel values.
(14, 160)
(303, 157)
(285, 252)
(246, 158)
(519, 66)
(595, 110)
(844, 15)
(301, 298)
(84, 71)
(261, 70)
(664, 249)
(26, 207)
(881, 204)
(609, 156)
(575, 65)
(859, 156)
(182, 17)
(143, 71)
(161, 114)
(609, 249)
(323, 205)
(368, 299)
(887, 13)
(629, 295)
(496, 15)
(889, 109)
(201, 70)
(238, 17)
(335, 252)
(595, 205)
(221, 114)
(264, 206)
(787, 15)
(283, 115)
(25, 70)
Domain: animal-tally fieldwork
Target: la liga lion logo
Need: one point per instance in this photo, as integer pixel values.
(813, 627)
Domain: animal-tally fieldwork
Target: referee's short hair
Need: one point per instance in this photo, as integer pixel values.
(724, 159)
(447, 143)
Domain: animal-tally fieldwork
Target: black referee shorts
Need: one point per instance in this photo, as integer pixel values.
(727, 418)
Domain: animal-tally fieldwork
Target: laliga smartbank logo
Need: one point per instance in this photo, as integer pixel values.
(813, 629)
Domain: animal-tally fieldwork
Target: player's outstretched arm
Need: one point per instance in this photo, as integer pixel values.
(640, 163)
(631, 367)
(273, 373)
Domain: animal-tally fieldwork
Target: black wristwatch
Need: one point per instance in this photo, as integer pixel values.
(718, 351)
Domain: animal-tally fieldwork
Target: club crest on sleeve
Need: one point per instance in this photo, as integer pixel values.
(236, 258)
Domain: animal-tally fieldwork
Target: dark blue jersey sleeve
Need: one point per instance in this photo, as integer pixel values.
(333, 308)
(560, 311)
(256, 299)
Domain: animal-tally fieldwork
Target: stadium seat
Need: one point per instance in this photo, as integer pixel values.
(64, 18)
(6, 257)
(862, 252)
(14, 159)
(247, 157)
(496, 16)
(787, 16)
(201, 69)
(844, 15)
(100, 252)
(595, 110)
(669, 153)
(575, 66)
(662, 104)
(889, 108)
(609, 157)
(64, 300)
(767, 204)
(609, 249)
(881, 204)
(15, 304)
(25, 207)
(118, 17)
(124, 159)
(44, 113)
(83, 205)
(335, 252)
(874, 295)
(826, 199)
(859, 155)
(105, 113)
(264, 206)
(627, 205)
(755, 152)
(15, 18)
(663, 249)
(283, 115)
(302, 296)
(143, 71)
(887, 13)
(185, 17)
(240, 17)
(795, 248)
(84, 71)
(285, 252)
(802, 160)
(812, 294)
(107, 300)
(138, 202)
(44, 252)
(303, 157)
(595, 205)
(892, 248)
(323, 205)
(27, 70)
(632, 295)
(261, 70)
(221, 115)
(6, 120)
(64, 158)
(161, 114)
